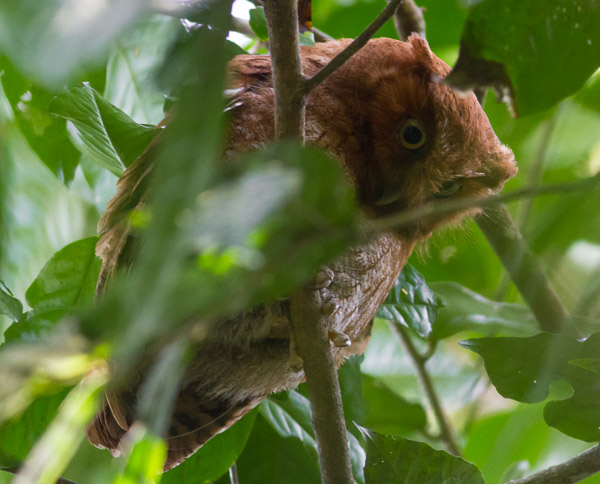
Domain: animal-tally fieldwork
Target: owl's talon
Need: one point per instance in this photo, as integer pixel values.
(329, 306)
(323, 278)
(340, 340)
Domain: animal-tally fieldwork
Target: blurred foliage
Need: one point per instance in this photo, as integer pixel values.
(83, 84)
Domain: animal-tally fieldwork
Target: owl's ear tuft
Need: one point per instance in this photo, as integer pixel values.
(420, 47)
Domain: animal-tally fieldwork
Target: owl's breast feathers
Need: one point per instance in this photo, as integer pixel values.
(404, 139)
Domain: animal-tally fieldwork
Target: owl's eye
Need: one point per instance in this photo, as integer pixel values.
(411, 134)
(448, 189)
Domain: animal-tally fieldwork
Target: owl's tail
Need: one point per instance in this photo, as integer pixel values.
(194, 423)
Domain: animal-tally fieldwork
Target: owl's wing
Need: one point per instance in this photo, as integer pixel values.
(195, 420)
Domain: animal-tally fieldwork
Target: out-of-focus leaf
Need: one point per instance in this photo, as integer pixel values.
(100, 130)
(589, 96)
(387, 412)
(18, 436)
(53, 451)
(47, 135)
(541, 52)
(370, 402)
(466, 310)
(146, 457)
(411, 303)
(68, 279)
(290, 416)
(394, 459)
(130, 71)
(215, 457)
(9, 305)
(258, 23)
(50, 41)
(523, 368)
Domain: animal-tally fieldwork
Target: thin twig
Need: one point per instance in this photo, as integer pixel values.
(233, 474)
(524, 269)
(449, 206)
(574, 470)
(353, 48)
(446, 432)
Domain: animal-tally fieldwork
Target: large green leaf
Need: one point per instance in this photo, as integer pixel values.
(18, 436)
(100, 130)
(542, 51)
(368, 401)
(132, 62)
(290, 416)
(394, 459)
(524, 368)
(67, 280)
(51, 41)
(215, 457)
(46, 134)
(466, 310)
(411, 303)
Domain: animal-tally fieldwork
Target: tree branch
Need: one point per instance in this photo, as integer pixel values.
(312, 343)
(290, 100)
(446, 432)
(574, 470)
(524, 268)
(309, 327)
(353, 48)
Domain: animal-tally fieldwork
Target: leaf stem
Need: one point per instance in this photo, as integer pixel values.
(446, 431)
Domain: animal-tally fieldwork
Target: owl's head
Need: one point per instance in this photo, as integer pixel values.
(417, 141)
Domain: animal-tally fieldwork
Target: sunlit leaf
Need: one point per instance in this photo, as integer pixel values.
(46, 134)
(130, 71)
(523, 369)
(394, 459)
(145, 459)
(100, 130)
(67, 280)
(411, 303)
(466, 310)
(50, 41)
(542, 52)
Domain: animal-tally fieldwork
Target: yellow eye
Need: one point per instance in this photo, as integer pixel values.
(448, 189)
(411, 134)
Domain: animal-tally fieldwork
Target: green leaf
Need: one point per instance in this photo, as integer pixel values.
(46, 134)
(268, 457)
(132, 62)
(18, 436)
(258, 23)
(100, 130)
(215, 457)
(543, 51)
(394, 459)
(524, 368)
(466, 310)
(411, 303)
(290, 416)
(51, 42)
(67, 280)
(9, 305)
(146, 457)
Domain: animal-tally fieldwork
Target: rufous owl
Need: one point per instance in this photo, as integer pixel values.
(404, 138)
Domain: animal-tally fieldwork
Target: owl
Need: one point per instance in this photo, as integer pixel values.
(404, 140)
